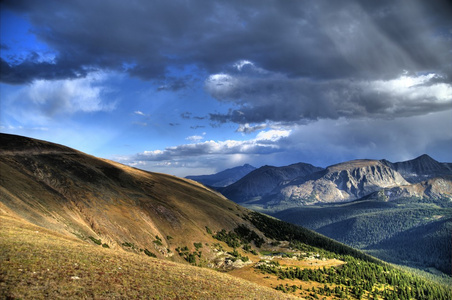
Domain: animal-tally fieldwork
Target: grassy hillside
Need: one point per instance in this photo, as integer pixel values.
(42, 264)
(93, 199)
(39, 263)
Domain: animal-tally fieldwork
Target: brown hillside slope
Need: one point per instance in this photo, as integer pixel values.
(41, 264)
(56, 203)
(79, 195)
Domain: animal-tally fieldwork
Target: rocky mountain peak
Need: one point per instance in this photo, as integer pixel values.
(342, 182)
(421, 168)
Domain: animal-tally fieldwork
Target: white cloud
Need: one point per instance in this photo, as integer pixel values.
(69, 96)
(227, 152)
(221, 85)
(272, 135)
(413, 88)
(140, 113)
(240, 64)
(49, 104)
(194, 138)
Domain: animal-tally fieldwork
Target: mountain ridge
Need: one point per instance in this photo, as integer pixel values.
(264, 179)
(420, 168)
(342, 182)
(223, 178)
(143, 198)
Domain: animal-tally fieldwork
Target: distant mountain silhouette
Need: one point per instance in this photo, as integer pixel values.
(223, 178)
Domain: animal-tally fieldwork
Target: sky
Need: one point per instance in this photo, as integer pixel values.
(189, 87)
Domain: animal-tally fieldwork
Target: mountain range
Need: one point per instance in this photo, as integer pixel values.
(278, 188)
(381, 207)
(419, 169)
(77, 226)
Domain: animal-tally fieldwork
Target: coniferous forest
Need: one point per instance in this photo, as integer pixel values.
(411, 231)
(361, 274)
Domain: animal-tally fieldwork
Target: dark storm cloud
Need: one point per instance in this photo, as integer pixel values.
(317, 39)
(278, 98)
(30, 69)
(188, 115)
(304, 60)
(331, 141)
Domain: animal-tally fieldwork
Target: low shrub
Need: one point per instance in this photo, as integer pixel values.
(208, 230)
(95, 241)
(149, 253)
(127, 244)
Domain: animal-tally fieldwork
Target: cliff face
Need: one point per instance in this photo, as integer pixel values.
(435, 188)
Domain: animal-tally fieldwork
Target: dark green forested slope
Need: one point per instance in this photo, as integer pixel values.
(429, 246)
(404, 230)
